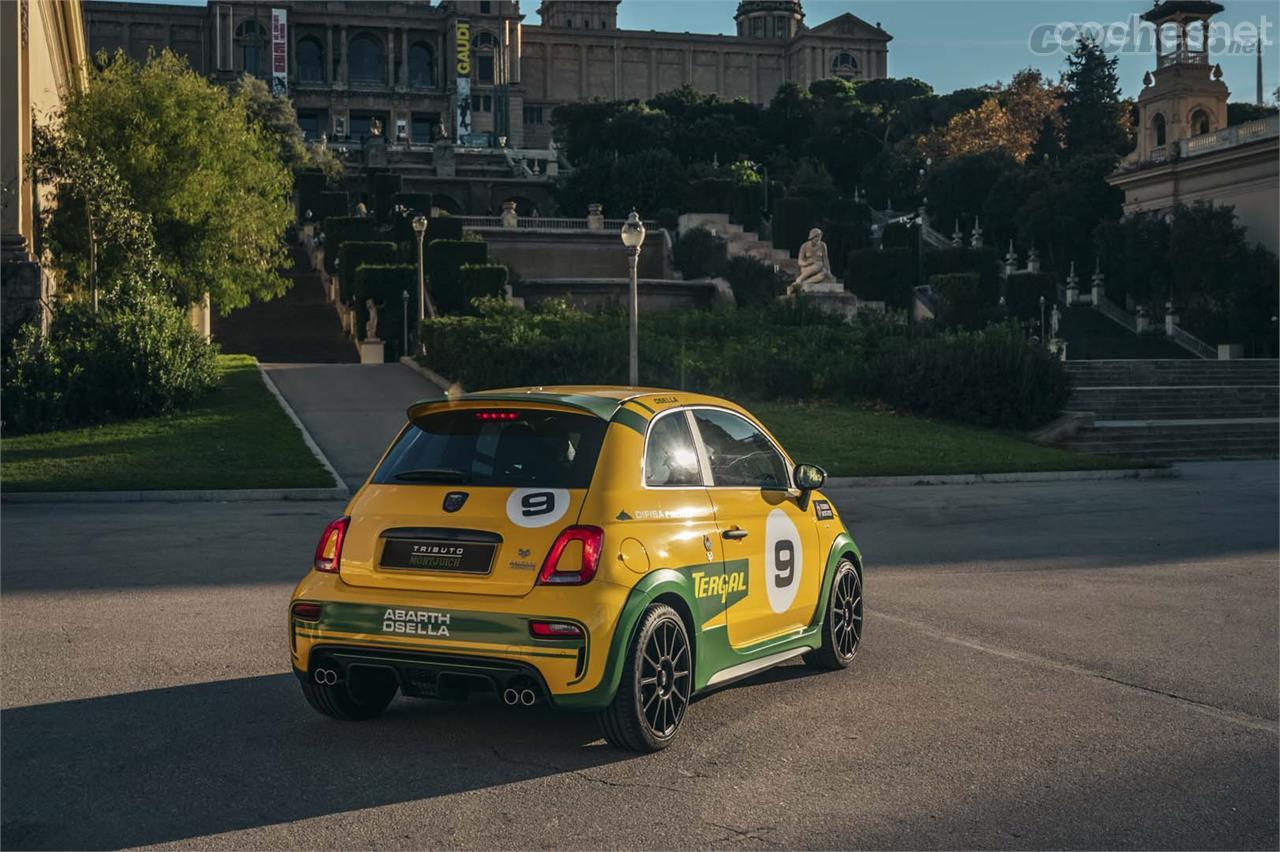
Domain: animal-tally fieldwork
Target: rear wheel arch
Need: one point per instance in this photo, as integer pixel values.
(678, 603)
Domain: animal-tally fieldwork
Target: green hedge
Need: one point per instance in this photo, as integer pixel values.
(699, 253)
(788, 350)
(385, 188)
(984, 261)
(792, 220)
(137, 356)
(445, 259)
(754, 283)
(341, 229)
(357, 253)
(883, 275)
(966, 302)
(1023, 292)
(444, 228)
(417, 202)
(386, 285)
(482, 280)
(307, 186)
(333, 203)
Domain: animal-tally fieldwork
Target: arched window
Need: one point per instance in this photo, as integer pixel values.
(1200, 123)
(483, 45)
(251, 37)
(422, 64)
(845, 65)
(366, 63)
(310, 60)
(1158, 124)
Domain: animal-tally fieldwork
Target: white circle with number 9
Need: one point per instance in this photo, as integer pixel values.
(783, 560)
(537, 507)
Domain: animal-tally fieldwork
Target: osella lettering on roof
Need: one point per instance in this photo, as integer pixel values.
(612, 550)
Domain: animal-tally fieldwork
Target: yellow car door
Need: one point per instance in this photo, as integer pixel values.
(762, 525)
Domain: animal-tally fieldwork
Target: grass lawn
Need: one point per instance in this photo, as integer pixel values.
(237, 437)
(852, 440)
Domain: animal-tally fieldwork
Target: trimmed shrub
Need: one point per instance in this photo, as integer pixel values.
(883, 275)
(385, 188)
(991, 378)
(713, 194)
(792, 219)
(445, 259)
(1023, 292)
(966, 303)
(482, 281)
(444, 228)
(340, 229)
(748, 202)
(333, 203)
(698, 253)
(386, 285)
(356, 253)
(754, 283)
(419, 203)
(668, 218)
(984, 261)
(137, 357)
(843, 237)
(307, 186)
(900, 235)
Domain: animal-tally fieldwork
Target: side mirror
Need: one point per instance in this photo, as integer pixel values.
(808, 477)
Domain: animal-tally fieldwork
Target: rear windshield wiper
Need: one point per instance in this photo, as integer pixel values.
(437, 474)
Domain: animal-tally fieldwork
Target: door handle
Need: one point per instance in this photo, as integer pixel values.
(735, 533)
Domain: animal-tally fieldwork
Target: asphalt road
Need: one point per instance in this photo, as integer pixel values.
(1046, 665)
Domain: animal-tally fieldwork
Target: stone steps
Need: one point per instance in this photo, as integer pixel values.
(740, 242)
(1172, 403)
(1170, 442)
(1174, 372)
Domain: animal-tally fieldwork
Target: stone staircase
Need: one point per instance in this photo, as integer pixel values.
(1178, 409)
(300, 327)
(741, 242)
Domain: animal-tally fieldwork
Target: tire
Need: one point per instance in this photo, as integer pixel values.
(656, 684)
(842, 626)
(362, 695)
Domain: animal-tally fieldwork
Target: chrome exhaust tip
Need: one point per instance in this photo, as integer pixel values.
(510, 697)
(527, 698)
(325, 677)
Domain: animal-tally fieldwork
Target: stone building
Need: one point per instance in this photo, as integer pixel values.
(473, 67)
(1185, 150)
(42, 59)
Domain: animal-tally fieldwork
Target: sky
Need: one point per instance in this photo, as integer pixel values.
(953, 44)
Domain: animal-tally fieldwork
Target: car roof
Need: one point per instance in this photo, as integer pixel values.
(603, 401)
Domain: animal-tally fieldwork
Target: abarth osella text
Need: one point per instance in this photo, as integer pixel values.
(615, 550)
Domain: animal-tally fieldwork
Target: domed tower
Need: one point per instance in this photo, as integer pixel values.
(1184, 96)
(769, 19)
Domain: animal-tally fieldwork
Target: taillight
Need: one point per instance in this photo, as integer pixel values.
(554, 630)
(306, 611)
(553, 573)
(329, 549)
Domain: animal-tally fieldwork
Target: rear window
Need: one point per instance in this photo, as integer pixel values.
(499, 447)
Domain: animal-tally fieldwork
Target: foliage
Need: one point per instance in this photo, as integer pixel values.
(445, 259)
(754, 282)
(386, 185)
(418, 203)
(793, 218)
(966, 303)
(276, 119)
(788, 350)
(96, 222)
(334, 203)
(887, 275)
(443, 228)
(308, 184)
(137, 356)
(194, 161)
(992, 378)
(699, 253)
(483, 281)
(1010, 121)
(344, 229)
(354, 254)
(1238, 112)
(1024, 291)
(1094, 117)
(646, 180)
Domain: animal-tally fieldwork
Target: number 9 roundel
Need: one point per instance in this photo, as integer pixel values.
(537, 507)
(783, 560)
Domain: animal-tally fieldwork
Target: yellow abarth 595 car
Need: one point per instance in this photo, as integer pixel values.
(607, 549)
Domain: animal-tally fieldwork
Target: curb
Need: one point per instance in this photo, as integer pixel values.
(430, 375)
(983, 478)
(214, 495)
(306, 437)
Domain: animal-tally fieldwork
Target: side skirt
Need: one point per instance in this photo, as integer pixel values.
(741, 670)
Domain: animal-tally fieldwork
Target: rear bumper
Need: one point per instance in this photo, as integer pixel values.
(431, 675)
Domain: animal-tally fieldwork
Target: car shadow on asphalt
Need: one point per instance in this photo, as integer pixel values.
(187, 761)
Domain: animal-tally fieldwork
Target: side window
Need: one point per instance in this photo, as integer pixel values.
(670, 457)
(740, 454)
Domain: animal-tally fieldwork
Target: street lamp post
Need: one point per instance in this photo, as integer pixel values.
(424, 307)
(404, 312)
(633, 238)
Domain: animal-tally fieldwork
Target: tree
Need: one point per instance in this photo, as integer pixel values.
(210, 180)
(1012, 120)
(1092, 111)
(274, 116)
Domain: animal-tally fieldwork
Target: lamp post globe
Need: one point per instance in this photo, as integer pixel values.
(633, 238)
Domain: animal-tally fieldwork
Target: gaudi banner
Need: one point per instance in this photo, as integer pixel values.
(462, 71)
(279, 52)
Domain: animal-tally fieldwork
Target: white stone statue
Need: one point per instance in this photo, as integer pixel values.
(1055, 320)
(371, 327)
(815, 265)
